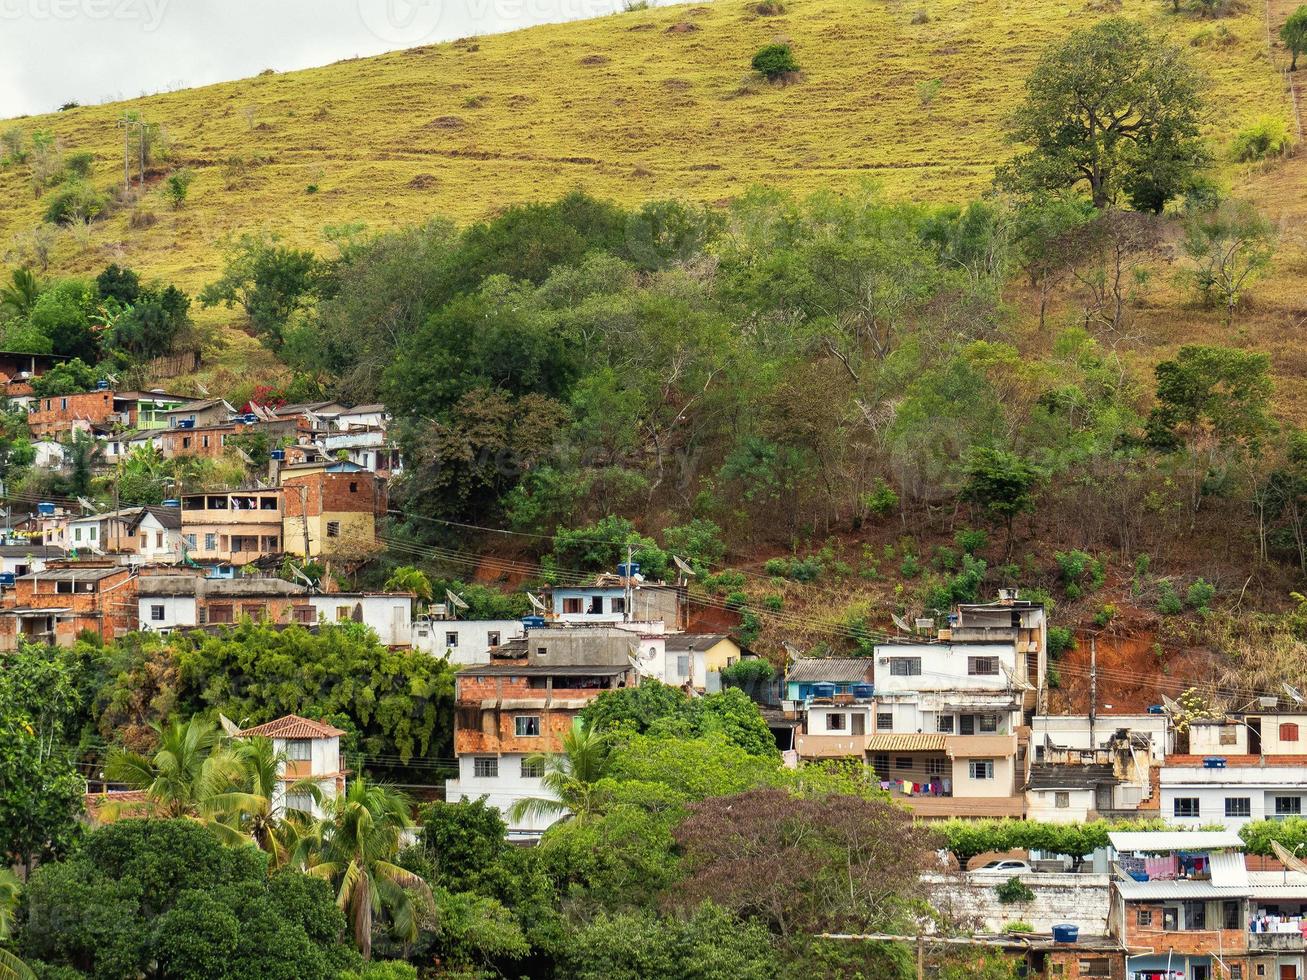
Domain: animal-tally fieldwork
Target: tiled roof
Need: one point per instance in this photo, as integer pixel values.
(907, 742)
(292, 726)
(852, 670)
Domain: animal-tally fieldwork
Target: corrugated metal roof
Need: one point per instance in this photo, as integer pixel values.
(1228, 869)
(850, 670)
(1174, 840)
(1132, 890)
(1278, 884)
(907, 742)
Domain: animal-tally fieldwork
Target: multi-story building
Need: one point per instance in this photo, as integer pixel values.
(464, 641)
(519, 705)
(698, 659)
(58, 415)
(388, 614)
(618, 599)
(207, 441)
(331, 508)
(198, 414)
(67, 597)
(185, 599)
(149, 534)
(146, 409)
(309, 751)
(371, 448)
(1009, 621)
(233, 526)
(24, 559)
(1074, 785)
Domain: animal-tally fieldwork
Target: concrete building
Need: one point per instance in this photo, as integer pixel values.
(388, 614)
(311, 755)
(464, 641)
(185, 599)
(331, 509)
(698, 659)
(57, 603)
(198, 414)
(607, 601)
(237, 526)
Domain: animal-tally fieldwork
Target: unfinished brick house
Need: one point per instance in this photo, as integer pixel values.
(54, 605)
(58, 415)
(331, 509)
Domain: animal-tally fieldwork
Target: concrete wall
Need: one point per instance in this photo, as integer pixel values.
(944, 667)
(501, 791)
(1212, 787)
(1072, 731)
(177, 611)
(471, 638)
(1079, 899)
(389, 616)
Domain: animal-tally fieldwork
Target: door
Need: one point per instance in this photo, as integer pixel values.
(1254, 736)
(1200, 971)
(1102, 798)
(1288, 971)
(859, 723)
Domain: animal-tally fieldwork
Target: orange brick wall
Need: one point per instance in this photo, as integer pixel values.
(1198, 942)
(175, 441)
(329, 493)
(1065, 964)
(109, 611)
(51, 418)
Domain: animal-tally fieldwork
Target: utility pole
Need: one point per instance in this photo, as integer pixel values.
(630, 592)
(1093, 689)
(921, 957)
(304, 516)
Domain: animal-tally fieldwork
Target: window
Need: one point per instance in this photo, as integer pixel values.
(903, 762)
(936, 767)
(485, 768)
(353, 488)
(63, 402)
(572, 605)
(299, 801)
(1288, 806)
(1288, 732)
(682, 665)
(93, 529)
(190, 540)
(1195, 915)
(305, 614)
(156, 614)
(880, 762)
(1095, 967)
(333, 529)
(210, 541)
(532, 770)
(77, 534)
(343, 614)
(836, 722)
(989, 723)
(905, 666)
(526, 726)
(1238, 806)
(1236, 971)
(1170, 919)
(1186, 806)
(596, 607)
(978, 666)
(220, 614)
(158, 539)
(885, 721)
(492, 638)
(451, 639)
(1062, 799)
(1229, 735)
(204, 441)
(267, 503)
(186, 442)
(618, 604)
(1144, 917)
(1231, 916)
(298, 750)
(944, 723)
(981, 768)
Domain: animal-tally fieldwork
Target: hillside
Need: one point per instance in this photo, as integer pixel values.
(633, 106)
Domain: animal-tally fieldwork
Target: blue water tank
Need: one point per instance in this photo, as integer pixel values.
(172, 502)
(102, 385)
(626, 570)
(45, 510)
(1214, 762)
(7, 578)
(1066, 933)
(186, 423)
(823, 690)
(533, 622)
(249, 418)
(1156, 709)
(861, 691)
(277, 454)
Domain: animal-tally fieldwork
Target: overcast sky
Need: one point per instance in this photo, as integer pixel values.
(57, 51)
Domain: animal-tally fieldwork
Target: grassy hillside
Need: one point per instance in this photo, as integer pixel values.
(637, 105)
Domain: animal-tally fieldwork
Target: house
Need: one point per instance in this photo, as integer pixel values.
(185, 599)
(331, 509)
(522, 703)
(233, 526)
(198, 414)
(1084, 732)
(698, 659)
(1181, 905)
(370, 448)
(57, 603)
(49, 454)
(310, 753)
(367, 417)
(146, 410)
(59, 415)
(1085, 768)
(117, 446)
(1009, 620)
(388, 614)
(464, 641)
(616, 599)
(24, 559)
(151, 534)
(23, 365)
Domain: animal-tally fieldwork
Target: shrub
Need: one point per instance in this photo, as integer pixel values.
(1267, 137)
(78, 165)
(1018, 926)
(1081, 572)
(774, 61)
(736, 600)
(881, 500)
(748, 675)
(1168, 602)
(910, 566)
(773, 602)
(1060, 640)
(769, 8)
(1200, 594)
(75, 201)
(921, 17)
(1106, 613)
(927, 90)
(1014, 890)
(178, 186)
(971, 541)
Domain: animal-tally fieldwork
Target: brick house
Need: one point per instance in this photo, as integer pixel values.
(235, 526)
(59, 415)
(187, 599)
(54, 605)
(516, 706)
(333, 504)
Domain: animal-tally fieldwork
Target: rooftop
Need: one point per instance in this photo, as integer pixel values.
(1163, 841)
(514, 670)
(292, 726)
(1068, 776)
(850, 670)
(30, 551)
(677, 642)
(94, 574)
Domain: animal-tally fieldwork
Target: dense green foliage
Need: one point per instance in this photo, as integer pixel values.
(658, 708)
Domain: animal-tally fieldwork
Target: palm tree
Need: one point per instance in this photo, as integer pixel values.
(190, 775)
(571, 776)
(248, 806)
(11, 888)
(406, 578)
(354, 847)
(20, 294)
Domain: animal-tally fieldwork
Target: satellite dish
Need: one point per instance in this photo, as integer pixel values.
(454, 601)
(791, 651)
(203, 390)
(229, 726)
(536, 604)
(1293, 693)
(1170, 706)
(300, 575)
(685, 568)
(901, 623)
(1018, 682)
(86, 504)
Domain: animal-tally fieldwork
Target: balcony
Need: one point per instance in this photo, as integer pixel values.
(830, 746)
(1276, 942)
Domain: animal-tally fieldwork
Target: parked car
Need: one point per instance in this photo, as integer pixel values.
(1006, 866)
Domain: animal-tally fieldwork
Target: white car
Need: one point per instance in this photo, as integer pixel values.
(1007, 866)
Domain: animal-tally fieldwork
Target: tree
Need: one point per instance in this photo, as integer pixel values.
(19, 295)
(1230, 245)
(1294, 35)
(406, 578)
(1114, 107)
(118, 283)
(354, 847)
(270, 282)
(569, 775)
(177, 186)
(1044, 241)
(1001, 483)
(774, 61)
(65, 378)
(189, 775)
(63, 313)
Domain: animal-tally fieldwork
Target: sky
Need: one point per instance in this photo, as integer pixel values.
(88, 51)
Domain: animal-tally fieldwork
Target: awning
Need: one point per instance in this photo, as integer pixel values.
(1162, 841)
(907, 742)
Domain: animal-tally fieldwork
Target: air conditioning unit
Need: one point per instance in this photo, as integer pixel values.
(883, 660)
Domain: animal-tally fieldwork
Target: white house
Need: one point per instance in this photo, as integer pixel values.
(388, 614)
(949, 688)
(464, 641)
(1073, 732)
(1200, 793)
(23, 559)
(49, 454)
(311, 753)
(370, 448)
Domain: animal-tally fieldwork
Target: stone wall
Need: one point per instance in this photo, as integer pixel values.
(1078, 899)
